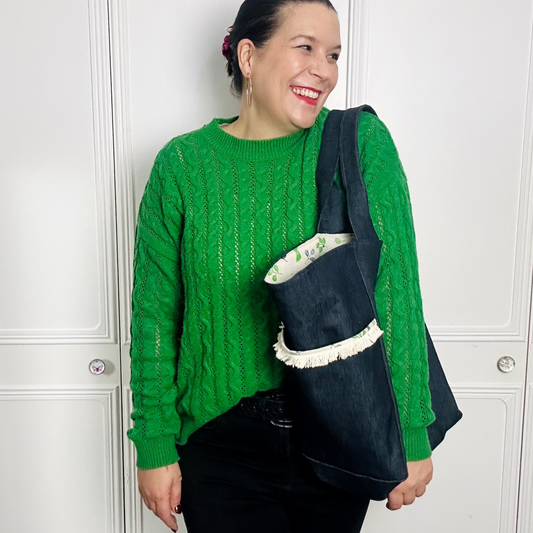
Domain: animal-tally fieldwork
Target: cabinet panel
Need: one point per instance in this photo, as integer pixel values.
(61, 461)
(56, 193)
(451, 80)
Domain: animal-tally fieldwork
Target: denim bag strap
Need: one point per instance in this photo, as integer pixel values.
(340, 151)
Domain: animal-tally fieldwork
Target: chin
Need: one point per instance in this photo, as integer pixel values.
(306, 122)
(307, 119)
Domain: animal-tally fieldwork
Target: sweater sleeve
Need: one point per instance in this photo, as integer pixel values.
(156, 322)
(397, 293)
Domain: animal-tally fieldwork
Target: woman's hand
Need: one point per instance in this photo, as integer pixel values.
(160, 489)
(420, 474)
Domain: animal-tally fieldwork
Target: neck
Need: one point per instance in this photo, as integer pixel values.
(256, 125)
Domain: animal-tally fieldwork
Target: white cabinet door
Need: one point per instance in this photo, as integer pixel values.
(60, 447)
(451, 79)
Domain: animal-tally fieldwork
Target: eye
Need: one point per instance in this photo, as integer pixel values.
(334, 56)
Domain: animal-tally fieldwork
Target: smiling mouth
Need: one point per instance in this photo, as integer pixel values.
(306, 92)
(308, 100)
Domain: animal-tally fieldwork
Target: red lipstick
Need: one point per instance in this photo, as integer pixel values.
(306, 99)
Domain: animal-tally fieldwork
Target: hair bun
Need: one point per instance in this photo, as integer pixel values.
(226, 48)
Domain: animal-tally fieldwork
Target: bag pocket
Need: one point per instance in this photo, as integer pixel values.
(346, 416)
(325, 302)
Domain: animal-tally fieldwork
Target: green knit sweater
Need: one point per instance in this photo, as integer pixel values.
(216, 213)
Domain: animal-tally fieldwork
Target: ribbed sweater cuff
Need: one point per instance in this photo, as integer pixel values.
(416, 444)
(154, 453)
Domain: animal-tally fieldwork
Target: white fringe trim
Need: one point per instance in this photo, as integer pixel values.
(327, 354)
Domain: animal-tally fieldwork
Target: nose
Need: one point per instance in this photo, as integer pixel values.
(321, 67)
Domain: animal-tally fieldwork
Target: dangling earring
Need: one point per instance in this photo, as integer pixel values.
(249, 91)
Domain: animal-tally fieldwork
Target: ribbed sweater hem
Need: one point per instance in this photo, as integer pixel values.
(154, 453)
(416, 443)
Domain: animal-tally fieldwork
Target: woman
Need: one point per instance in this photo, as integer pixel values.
(212, 426)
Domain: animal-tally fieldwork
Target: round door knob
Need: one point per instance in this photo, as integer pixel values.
(97, 366)
(506, 364)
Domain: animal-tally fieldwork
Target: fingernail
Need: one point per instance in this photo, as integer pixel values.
(178, 509)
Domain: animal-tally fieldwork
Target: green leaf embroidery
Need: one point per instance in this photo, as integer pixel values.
(298, 255)
(321, 244)
(273, 272)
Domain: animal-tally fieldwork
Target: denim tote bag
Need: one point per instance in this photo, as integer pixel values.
(338, 378)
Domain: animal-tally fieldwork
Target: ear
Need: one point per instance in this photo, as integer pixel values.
(245, 52)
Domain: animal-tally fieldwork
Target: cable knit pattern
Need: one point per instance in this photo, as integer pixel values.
(216, 213)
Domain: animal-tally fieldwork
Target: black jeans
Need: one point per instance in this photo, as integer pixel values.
(243, 474)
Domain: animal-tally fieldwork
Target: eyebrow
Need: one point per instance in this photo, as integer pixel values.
(312, 39)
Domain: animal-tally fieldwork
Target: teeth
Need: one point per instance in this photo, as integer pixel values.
(305, 92)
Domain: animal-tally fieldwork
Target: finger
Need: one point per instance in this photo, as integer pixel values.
(148, 505)
(420, 490)
(163, 512)
(147, 502)
(395, 500)
(175, 497)
(393, 507)
(409, 497)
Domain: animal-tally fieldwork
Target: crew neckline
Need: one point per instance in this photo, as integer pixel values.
(232, 146)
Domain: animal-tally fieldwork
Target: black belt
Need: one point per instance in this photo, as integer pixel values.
(267, 405)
